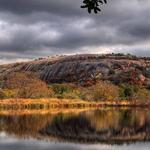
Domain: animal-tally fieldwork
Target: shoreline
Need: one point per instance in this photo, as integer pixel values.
(68, 103)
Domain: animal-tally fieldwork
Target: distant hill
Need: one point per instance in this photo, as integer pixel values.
(86, 68)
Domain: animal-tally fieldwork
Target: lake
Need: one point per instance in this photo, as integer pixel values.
(103, 129)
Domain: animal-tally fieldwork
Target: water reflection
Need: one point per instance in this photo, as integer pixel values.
(111, 126)
(88, 127)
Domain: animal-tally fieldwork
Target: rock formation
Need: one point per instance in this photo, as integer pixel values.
(88, 67)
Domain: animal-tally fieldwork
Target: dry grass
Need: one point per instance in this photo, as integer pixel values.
(54, 103)
(43, 111)
(51, 103)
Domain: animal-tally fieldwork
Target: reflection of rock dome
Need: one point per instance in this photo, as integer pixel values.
(91, 126)
(98, 126)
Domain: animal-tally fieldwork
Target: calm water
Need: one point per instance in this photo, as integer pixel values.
(107, 129)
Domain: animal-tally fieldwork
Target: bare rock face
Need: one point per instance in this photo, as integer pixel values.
(74, 71)
(81, 68)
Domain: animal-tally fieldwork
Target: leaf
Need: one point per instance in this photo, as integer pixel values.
(89, 10)
(93, 5)
(105, 1)
(84, 6)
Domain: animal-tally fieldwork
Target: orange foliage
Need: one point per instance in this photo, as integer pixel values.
(27, 85)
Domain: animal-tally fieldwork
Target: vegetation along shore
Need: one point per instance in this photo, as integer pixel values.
(88, 80)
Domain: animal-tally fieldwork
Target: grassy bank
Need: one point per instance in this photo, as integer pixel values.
(65, 103)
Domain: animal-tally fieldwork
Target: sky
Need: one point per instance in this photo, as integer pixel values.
(37, 28)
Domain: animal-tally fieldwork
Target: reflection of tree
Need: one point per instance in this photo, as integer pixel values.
(73, 128)
(136, 119)
(102, 120)
(101, 126)
(90, 126)
(126, 119)
(24, 125)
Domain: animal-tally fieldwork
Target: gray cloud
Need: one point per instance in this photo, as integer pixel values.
(63, 7)
(37, 28)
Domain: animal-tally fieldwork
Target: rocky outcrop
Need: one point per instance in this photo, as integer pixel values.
(88, 67)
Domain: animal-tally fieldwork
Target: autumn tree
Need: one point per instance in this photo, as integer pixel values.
(104, 91)
(27, 85)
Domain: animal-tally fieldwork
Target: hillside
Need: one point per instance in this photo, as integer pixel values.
(87, 68)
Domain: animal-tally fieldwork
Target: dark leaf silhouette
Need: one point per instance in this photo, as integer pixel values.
(93, 5)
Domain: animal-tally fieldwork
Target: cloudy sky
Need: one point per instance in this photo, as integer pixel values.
(35, 28)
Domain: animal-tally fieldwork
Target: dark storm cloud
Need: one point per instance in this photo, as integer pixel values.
(66, 7)
(140, 29)
(46, 27)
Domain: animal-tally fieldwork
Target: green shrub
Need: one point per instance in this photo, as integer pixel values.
(66, 90)
(70, 95)
(61, 88)
(128, 91)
